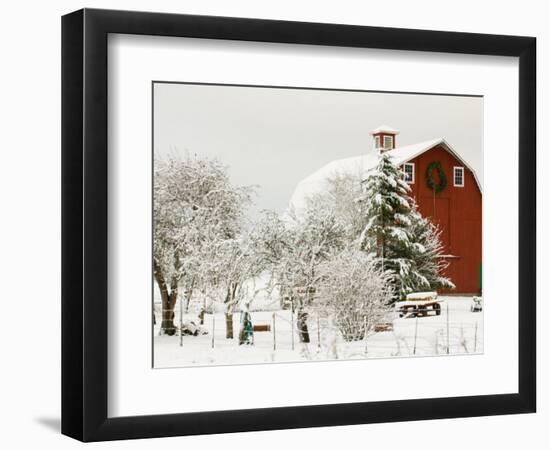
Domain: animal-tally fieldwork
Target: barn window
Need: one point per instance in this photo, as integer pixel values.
(408, 171)
(459, 176)
(377, 142)
(388, 142)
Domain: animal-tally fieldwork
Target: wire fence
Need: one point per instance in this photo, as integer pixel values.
(456, 330)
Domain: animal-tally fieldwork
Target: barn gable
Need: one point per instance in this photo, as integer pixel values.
(407, 153)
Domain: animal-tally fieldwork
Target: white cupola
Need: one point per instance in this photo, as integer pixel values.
(383, 138)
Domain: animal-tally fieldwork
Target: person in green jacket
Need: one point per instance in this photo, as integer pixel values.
(246, 334)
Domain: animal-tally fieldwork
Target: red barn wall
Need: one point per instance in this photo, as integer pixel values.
(457, 211)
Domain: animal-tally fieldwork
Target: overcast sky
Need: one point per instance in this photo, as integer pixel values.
(276, 137)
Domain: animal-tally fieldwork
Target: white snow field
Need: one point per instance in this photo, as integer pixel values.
(456, 331)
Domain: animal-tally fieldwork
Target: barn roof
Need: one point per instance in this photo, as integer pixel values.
(361, 166)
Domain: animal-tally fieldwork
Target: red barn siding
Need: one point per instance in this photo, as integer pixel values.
(457, 211)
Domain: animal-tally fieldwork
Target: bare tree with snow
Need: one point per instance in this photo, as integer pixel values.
(342, 196)
(195, 206)
(304, 244)
(232, 265)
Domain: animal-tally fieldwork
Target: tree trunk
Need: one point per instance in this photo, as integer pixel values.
(230, 304)
(229, 325)
(189, 294)
(167, 324)
(303, 332)
(168, 301)
(201, 316)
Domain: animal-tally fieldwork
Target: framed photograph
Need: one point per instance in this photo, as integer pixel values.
(272, 224)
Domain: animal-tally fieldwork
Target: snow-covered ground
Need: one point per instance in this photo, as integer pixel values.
(425, 336)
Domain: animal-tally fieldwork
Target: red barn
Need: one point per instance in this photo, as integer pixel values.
(456, 208)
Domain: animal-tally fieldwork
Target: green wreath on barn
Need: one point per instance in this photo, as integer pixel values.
(437, 187)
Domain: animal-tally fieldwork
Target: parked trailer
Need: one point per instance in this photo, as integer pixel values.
(419, 304)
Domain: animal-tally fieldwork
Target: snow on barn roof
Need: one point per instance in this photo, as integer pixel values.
(406, 153)
(361, 166)
(316, 182)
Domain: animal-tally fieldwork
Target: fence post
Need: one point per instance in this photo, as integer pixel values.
(415, 335)
(365, 326)
(475, 338)
(318, 333)
(463, 339)
(181, 321)
(161, 316)
(213, 327)
(292, 323)
(274, 334)
(448, 348)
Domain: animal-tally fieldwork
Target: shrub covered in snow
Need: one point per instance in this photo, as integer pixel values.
(354, 292)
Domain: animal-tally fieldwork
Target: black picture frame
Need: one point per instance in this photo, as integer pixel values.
(84, 224)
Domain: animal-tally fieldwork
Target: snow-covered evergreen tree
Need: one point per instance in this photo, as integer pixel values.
(404, 244)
